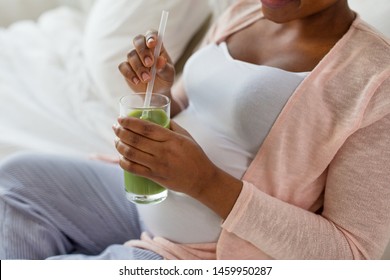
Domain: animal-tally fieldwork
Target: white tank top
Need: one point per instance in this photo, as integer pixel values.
(233, 105)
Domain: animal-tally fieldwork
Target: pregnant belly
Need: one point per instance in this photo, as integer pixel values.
(181, 219)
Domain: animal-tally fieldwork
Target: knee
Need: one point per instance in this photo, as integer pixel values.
(25, 175)
(22, 170)
(18, 162)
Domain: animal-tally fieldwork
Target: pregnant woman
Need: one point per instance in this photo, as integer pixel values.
(278, 149)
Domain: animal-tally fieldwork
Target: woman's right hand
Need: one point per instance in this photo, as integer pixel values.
(137, 68)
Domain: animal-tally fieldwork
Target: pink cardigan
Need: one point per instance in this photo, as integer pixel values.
(327, 153)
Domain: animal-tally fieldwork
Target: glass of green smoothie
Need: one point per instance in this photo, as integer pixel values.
(141, 190)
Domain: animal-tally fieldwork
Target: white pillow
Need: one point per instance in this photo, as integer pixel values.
(111, 26)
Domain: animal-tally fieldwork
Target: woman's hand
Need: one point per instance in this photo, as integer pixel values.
(137, 68)
(169, 157)
(173, 159)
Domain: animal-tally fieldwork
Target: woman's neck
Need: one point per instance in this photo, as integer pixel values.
(297, 45)
(331, 23)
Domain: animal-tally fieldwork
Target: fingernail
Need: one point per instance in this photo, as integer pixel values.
(120, 120)
(148, 61)
(136, 80)
(145, 76)
(150, 40)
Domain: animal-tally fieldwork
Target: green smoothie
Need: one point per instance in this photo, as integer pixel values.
(137, 185)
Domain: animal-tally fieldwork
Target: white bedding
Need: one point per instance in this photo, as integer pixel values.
(59, 81)
(47, 100)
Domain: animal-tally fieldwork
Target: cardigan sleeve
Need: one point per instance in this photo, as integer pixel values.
(355, 222)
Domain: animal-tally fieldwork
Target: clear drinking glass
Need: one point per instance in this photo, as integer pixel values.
(139, 189)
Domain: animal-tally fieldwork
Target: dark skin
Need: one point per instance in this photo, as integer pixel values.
(294, 37)
(297, 45)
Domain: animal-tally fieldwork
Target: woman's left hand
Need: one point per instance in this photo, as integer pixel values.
(170, 157)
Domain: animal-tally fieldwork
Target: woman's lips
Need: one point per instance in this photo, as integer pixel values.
(275, 3)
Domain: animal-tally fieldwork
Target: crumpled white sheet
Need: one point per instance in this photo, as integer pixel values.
(48, 102)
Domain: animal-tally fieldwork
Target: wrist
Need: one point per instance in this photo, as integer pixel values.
(220, 192)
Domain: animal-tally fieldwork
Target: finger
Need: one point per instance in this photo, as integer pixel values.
(128, 73)
(135, 140)
(151, 38)
(138, 67)
(134, 155)
(144, 52)
(145, 128)
(134, 167)
(151, 42)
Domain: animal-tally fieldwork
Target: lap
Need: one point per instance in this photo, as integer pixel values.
(83, 199)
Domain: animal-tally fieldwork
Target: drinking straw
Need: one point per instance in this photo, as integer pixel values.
(157, 49)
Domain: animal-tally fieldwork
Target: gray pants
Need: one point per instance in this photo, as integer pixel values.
(65, 208)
